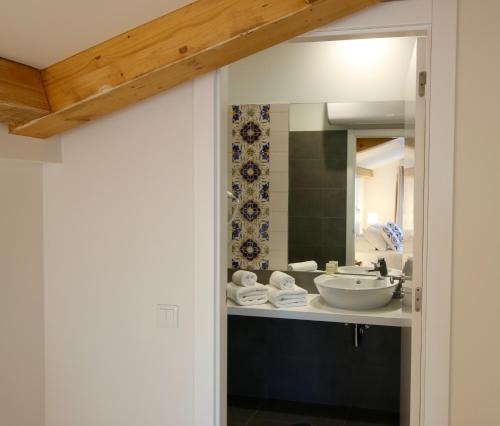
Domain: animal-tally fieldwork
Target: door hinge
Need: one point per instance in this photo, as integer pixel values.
(418, 299)
(422, 82)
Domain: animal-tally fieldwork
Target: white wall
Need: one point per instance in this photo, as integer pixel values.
(475, 376)
(21, 295)
(411, 13)
(278, 192)
(309, 118)
(118, 241)
(333, 71)
(43, 37)
(23, 148)
(379, 193)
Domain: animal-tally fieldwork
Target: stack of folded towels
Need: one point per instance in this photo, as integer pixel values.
(284, 293)
(245, 291)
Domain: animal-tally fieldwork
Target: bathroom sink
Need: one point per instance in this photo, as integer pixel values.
(365, 270)
(355, 293)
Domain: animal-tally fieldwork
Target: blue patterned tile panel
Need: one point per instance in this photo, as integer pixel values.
(251, 130)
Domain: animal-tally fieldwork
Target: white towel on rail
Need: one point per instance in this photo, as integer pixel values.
(247, 296)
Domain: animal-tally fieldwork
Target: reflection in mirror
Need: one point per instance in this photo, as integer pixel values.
(384, 200)
(320, 192)
(318, 187)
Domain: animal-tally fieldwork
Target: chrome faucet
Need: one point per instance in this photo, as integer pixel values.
(398, 293)
(380, 268)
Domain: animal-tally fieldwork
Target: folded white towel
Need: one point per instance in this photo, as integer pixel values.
(282, 281)
(244, 278)
(247, 296)
(287, 298)
(310, 265)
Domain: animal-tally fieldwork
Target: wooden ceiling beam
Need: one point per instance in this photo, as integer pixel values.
(22, 95)
(198, 38)
(362, 144)
(363, 172)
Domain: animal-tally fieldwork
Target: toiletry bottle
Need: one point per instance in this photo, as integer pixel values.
(332, 267)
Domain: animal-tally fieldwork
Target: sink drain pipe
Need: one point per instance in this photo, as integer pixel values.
(358, 331)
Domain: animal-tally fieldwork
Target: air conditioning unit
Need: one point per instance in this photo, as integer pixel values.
(352, 115)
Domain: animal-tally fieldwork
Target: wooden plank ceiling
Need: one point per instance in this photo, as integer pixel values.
(156, 56)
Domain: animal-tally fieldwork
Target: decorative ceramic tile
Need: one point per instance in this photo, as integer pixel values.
(251, 129)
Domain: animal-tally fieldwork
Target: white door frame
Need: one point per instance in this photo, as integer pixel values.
(439, 236)
(210, 343)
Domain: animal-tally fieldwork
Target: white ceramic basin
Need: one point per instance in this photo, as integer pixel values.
(355, 293)
(365, 270)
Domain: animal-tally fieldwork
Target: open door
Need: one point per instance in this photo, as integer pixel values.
(413, 185)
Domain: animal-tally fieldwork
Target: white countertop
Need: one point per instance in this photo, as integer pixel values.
(317, 310)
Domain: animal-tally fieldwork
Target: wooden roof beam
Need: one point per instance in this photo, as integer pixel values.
(193, 40)
(363, 172)
(22, 95)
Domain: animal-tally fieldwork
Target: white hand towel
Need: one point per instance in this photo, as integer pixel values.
(247, 296)
(287, 298)
(244, 278)
(311, 265)
(282, 281)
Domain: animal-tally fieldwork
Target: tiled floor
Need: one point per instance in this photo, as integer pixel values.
(250, 412)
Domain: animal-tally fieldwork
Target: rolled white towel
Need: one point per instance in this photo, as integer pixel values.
(310, 265)
(294, 297)
(247, 296)
(244, 278)
(282, 281)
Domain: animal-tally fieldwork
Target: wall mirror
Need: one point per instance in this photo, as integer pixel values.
(320, 182)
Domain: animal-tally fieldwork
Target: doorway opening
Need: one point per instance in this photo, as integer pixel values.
(325, 164)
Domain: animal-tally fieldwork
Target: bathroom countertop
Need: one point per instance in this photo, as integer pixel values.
(317, 310)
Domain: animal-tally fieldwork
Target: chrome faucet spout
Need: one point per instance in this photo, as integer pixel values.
(398, 293)
(380, 268)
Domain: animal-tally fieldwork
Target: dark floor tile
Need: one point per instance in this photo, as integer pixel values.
(236, 421)
(371, 418)
(235, 417)
(290, 413)
(256, 412)
(240, 411)
(267, 422)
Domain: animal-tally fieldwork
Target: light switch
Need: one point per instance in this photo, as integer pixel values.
(167, 316)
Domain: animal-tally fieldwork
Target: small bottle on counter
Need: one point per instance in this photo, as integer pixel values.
(332, 267)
